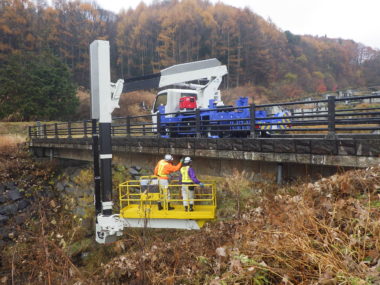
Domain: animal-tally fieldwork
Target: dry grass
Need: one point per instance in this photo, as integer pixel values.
(322, 233)
(310, 128)
(9, 143)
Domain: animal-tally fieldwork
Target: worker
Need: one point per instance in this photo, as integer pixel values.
(187, 177)
(162, 170)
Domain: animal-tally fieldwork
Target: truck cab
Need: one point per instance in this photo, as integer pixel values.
(170, 98)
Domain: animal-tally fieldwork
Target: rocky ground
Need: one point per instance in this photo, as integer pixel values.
(326, 232)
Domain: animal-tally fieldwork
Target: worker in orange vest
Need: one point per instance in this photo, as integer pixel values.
(162, 170)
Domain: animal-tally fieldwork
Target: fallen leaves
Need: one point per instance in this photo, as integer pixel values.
(324, 232)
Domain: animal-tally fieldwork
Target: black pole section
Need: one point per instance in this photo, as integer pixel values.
(95, 151)
(105, 165)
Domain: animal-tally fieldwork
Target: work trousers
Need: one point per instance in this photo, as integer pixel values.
(164, 188)
(187, 194)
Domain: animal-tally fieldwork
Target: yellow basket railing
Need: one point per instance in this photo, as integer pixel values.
(146, 190)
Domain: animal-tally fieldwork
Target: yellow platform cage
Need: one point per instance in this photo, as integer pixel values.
(139, 201)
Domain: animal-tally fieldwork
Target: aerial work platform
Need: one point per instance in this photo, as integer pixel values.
(139, 204)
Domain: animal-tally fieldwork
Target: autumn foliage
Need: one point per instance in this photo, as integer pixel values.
(149, 38)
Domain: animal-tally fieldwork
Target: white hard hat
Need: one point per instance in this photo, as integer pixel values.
(168, 157)
(187, 160)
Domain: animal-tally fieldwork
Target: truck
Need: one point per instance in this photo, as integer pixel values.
(189, 108)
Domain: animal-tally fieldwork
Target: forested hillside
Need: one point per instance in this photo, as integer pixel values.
(278, 64)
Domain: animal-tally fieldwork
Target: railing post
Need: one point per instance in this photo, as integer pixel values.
(38, 128)
(158, 125)
(252, 112)
(85, 128)
(44, 131)
(331, 117)
(56, 130)
(128, 126)
(69, 135)
(30, 131)
(143, 129)
(198, 123)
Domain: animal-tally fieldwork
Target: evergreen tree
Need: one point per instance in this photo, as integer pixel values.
(36, 86)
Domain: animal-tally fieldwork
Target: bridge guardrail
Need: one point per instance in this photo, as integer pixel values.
(327, 118)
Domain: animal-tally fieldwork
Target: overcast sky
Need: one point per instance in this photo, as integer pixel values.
(358, 20)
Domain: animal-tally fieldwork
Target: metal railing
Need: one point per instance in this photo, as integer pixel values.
(341, 117)
(146, 190)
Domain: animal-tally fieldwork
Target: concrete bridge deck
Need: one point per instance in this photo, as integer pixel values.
(308, 156)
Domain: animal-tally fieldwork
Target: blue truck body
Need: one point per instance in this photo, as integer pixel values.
(220, 122)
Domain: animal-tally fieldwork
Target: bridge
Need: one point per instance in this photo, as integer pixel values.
(343, 135)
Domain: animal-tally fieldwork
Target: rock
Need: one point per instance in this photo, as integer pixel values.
(3, 219)
(71, 190)
(12, 235)
(138, 168)
(221, 251)
(2, 188)
(10, 209)
(70, 170)
(28, 177)
(47, 192)
(10, 186)
(60, 186)
(20, 219)
(133, 171)
(21, 205)
(75, 174)
(4, 232)
(3, 199)
(14, 195)
(79, 211)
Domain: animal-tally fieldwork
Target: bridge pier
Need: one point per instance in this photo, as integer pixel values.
(279, 174)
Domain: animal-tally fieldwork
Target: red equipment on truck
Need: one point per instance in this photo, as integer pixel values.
(187, 103)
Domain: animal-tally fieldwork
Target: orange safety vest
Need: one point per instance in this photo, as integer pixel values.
(164, 168)
(161, 166)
